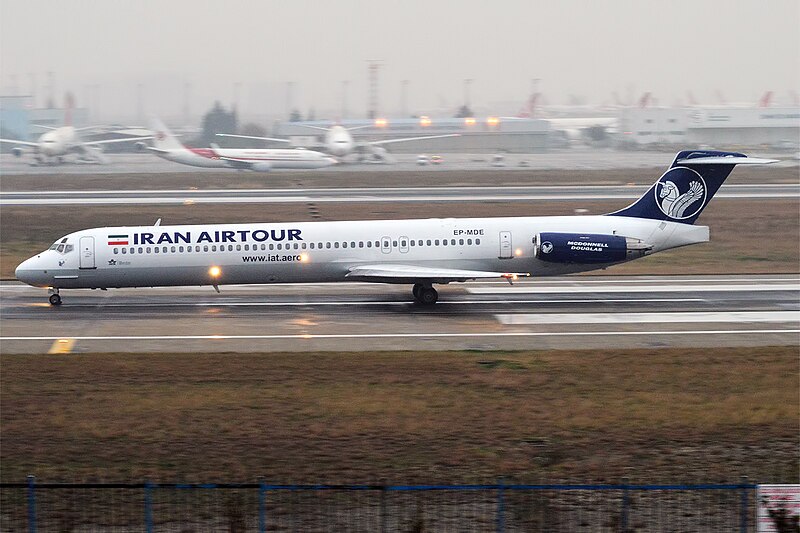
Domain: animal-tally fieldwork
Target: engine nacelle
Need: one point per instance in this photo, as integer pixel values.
(261, 167)
(17, 151)
(587, 248)
(140, 146)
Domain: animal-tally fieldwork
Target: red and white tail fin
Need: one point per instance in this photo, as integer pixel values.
(163, 139)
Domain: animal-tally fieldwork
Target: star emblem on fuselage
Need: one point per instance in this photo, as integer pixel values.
(112, 262)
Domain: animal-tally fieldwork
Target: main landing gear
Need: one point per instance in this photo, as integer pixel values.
(424, 294)
(55, 298)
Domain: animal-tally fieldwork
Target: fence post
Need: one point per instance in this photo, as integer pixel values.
(262, 507)
(148, 507)
(743, 504)
(31, 504)
(625, 505)
(501, 519)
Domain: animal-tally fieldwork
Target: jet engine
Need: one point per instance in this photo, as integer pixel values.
(587, 248)
(261, 167)
(141, 146)
(17, 151)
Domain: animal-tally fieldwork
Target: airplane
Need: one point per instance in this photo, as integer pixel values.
(420, 252)
(339, 142)
(53, 146)
(167, 146)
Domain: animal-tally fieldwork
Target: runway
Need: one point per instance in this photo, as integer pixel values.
(366, 194)
(568, 312)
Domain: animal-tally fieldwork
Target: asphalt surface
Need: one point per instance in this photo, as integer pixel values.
(569, 312)
(360, 194)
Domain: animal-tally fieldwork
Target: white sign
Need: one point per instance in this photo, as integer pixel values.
(772, 500)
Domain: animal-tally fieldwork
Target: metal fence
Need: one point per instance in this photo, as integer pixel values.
(499, 507)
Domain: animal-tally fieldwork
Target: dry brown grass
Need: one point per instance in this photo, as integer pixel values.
(658, 415)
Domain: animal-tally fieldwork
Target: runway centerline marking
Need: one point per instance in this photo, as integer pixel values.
(648, 318)
(518, 289)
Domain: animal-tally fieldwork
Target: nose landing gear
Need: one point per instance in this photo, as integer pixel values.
(424, 294)
(55, 298)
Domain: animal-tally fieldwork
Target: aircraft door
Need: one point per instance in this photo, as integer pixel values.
(386, 245)
(86, 246)
(505, 245)
(403, 245)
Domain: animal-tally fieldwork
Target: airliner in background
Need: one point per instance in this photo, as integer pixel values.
(167, 146)
(57, 144)
(420, 253)
(339, 142)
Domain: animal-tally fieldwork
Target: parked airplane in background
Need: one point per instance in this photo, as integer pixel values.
(418, 252)
(167, 146)
(338, 141)
(54, 146)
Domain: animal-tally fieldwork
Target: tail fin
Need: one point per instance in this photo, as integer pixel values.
(681, 194)
(163, 139)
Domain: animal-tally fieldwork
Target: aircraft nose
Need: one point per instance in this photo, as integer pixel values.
(29, 272)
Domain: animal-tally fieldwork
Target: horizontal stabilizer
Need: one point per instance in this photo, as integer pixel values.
(726, 161)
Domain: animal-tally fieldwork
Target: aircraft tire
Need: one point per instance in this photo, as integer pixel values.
(55, 299)
(428, 296)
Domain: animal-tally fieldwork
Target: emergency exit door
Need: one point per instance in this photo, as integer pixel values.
(86, 247)
(506, 251)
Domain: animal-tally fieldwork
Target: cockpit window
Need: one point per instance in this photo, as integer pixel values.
(61, 247)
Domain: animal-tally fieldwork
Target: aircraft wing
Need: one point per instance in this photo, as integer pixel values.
(24, 143)
(253, 137)
(414, 274)
(404, 139)
(110, 141)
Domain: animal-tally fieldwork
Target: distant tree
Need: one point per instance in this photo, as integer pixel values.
(463, 112)
(217, 120)
(253, 129)
(295, 116)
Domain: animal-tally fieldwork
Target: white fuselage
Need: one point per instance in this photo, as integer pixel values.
(321, 251)
(254, 158)
(339, 141)
(57, 142)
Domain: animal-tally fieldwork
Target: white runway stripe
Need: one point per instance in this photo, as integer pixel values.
(649, 288)
(649, 318)
(404, 335)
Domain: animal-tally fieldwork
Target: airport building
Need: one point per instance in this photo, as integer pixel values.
(777, 127)
(18, 118)
(476, 135)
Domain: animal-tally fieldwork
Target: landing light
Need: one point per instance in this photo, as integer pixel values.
(469, 121)
(518, 252)
(424, 121)
(381, 122)
(304, 258)
(214, 271)
(493, 121)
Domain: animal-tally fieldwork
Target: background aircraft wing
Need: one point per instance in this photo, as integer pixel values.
(253, 137)
(109, 141)
(413, 274)
(404, 139)
(24, 143)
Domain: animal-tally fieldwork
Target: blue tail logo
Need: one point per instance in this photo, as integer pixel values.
(681, 194)
(680, 204)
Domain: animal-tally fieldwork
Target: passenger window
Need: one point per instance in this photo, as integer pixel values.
(394, 243)
(180, 249)
(311, 245)
(116, 251)
(280, 246)
(436, 242)
(403, 244)
(140, 250)
(336, 244)
(469, 242)
(271, 246)
(411, 242)
(263, 246)
(147, 249)
(429, 242)
(461, 242)
(377, 244)
(477, 241)
(205, 248)
(360, 244)
(385, 244)
(124, 251)
(352, 244)
(369, 244)
(238, 247)
(344, 244)
(246, 247)
(453, 242)
(304, 246)
(327, 245)
(155, 249)
(197, 248)
(213, 247)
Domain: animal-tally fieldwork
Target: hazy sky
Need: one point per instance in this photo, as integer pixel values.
(101, 50)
